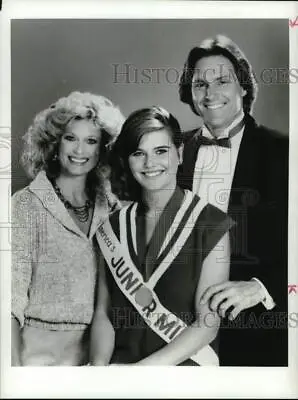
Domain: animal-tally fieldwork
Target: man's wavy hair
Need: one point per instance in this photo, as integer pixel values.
(42, 140)
(138, 123)
(223, 46)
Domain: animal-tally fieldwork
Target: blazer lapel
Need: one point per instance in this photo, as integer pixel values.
(190, 152)
(244, 197)
(246, 175)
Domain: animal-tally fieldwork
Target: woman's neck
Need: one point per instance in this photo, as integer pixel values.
(155, 201)
(73, 188)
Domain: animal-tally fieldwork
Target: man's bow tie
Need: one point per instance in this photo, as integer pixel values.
(223, 142)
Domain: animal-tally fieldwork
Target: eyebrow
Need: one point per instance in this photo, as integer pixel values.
(155, 148)
(199, 79)
(88, 137)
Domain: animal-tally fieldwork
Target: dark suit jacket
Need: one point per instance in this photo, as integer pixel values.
(259, 205)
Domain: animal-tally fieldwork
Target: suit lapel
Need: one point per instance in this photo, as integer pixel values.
(190, 152)
(244, 198)
(246, 175)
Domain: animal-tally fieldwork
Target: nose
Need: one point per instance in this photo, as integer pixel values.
(78, 148)
(210, 90)
(149, 161)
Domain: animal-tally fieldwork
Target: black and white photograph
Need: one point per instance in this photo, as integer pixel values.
(149, 213)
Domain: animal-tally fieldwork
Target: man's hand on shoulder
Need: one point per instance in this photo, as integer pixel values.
(237, 294)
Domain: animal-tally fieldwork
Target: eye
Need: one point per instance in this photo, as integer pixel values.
(162, 150)
(137, 153)
(223, 81)
(199, 84)
(69, 138)
(92, 141)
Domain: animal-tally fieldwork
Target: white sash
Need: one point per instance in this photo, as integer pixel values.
(130, 281)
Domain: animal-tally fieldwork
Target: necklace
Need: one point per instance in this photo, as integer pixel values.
(81, 212)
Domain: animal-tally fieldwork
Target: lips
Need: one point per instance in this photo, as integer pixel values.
(78, 161)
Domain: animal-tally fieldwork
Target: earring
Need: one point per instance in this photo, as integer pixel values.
(55, 157)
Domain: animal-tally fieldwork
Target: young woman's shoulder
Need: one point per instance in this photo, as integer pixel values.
(212, 217)
(208, 210)
(214, 213)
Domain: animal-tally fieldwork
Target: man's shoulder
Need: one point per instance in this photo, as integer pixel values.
(266, 133)
(273, 134)
(276, 142)
(271, 141)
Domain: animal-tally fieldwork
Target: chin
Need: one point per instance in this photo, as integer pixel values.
(152, 187)
(76, 173)
(218, 123)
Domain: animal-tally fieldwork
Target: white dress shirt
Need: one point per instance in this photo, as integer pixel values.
(215, 167)
(214, 173)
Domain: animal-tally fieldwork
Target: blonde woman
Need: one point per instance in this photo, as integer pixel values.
(54, 263)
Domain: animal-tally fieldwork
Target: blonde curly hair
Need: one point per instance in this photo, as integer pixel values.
(42, 140)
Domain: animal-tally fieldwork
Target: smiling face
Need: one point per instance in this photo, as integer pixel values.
(155, 162)
(79, 148)
(216, 92)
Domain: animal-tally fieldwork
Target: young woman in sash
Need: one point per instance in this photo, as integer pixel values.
(55, 217)
(161, 253)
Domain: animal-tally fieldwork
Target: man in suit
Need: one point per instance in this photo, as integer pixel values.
(242, 168)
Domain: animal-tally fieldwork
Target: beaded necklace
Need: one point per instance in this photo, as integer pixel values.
(81, 212)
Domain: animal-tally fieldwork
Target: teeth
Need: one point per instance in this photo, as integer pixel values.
(151, 174)
(78, 160)
(215, 106)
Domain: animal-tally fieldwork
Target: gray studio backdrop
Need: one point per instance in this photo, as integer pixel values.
(135, 63)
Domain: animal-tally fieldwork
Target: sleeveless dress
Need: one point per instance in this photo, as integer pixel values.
(176, 288)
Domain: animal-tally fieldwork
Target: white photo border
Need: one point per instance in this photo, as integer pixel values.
(94, 382)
